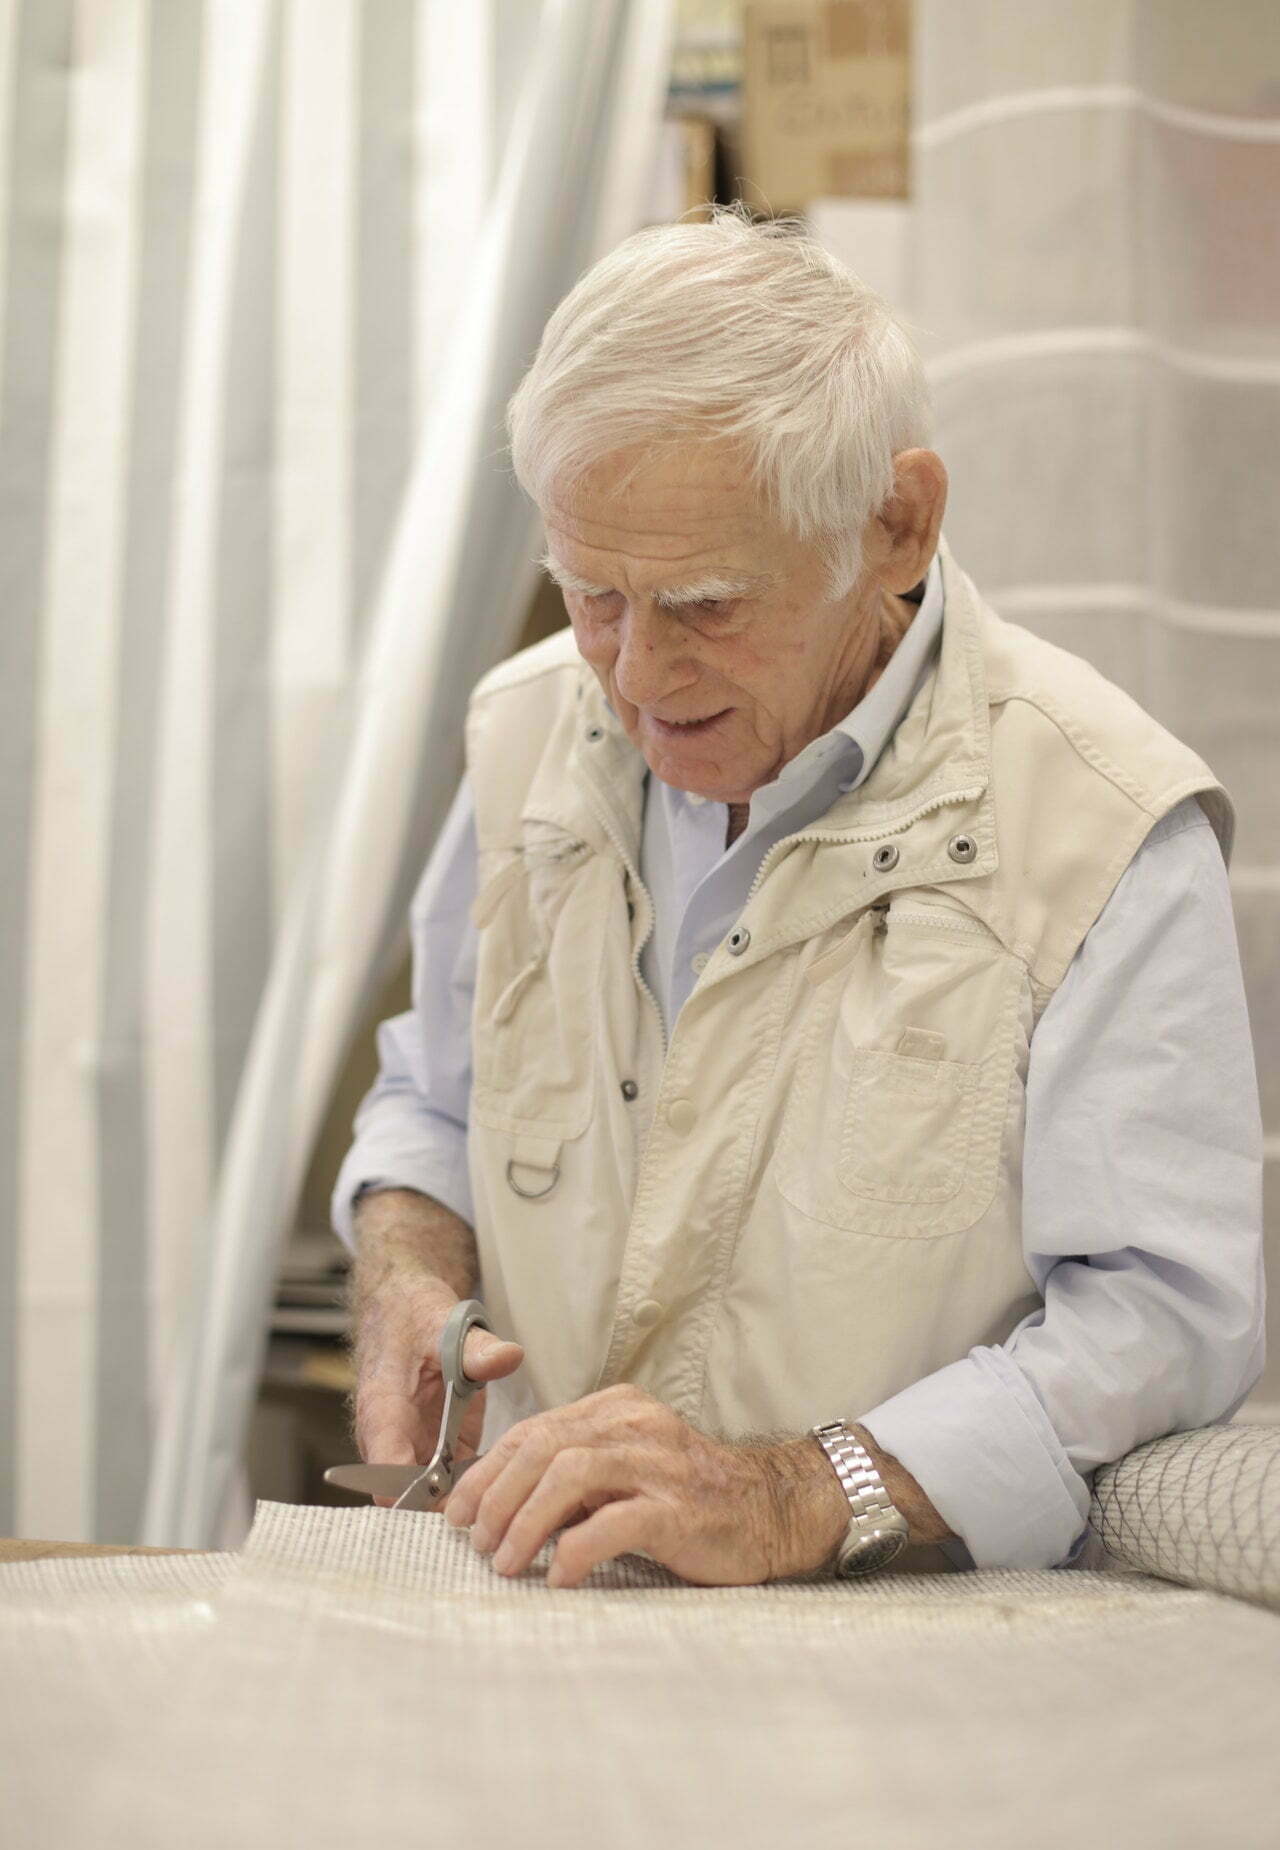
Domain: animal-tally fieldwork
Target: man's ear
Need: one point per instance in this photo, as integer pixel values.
(908, 525)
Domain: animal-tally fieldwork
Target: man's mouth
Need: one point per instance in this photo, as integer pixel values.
(688, 728)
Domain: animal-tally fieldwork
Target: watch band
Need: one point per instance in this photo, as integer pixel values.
(878, 1531)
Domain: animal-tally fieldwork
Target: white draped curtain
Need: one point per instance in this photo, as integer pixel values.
(1094, 251)
(268, 271)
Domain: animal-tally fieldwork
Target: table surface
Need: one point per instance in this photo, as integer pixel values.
(13, 1550)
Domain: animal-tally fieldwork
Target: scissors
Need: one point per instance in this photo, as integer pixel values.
(423, 1487)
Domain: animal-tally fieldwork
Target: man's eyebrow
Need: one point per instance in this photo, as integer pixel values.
(711, 586)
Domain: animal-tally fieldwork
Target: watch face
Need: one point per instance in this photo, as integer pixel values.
(872, 1552)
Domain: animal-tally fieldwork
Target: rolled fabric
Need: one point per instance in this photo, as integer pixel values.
(1201, 1508)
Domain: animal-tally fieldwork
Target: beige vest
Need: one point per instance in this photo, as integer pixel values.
(811, 1197)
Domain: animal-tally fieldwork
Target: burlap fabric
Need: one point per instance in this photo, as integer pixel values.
(361, 1677)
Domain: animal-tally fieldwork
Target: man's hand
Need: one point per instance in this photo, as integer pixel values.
(399, 1395)
(619, 1471)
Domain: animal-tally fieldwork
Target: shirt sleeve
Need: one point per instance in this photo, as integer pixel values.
(411, 1126)
(1142, 1225)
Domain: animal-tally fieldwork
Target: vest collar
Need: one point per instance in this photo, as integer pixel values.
(591, 779)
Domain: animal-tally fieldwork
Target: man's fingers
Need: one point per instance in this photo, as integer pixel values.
(389, 1428)
(536, 1495)
(486, 1357)
(466, 1496)
(538, 1438)
(617, 1528)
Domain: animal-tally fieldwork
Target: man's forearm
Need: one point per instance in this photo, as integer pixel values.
(398, 1229)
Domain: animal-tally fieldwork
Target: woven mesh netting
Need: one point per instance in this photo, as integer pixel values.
(1201, 1508)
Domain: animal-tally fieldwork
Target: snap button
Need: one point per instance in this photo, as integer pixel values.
(594, 733)
(630, 1089)
(962, 848)
(884, 858)
(681, 1115)
(647, 1313)
(699, 962)
(738, 940)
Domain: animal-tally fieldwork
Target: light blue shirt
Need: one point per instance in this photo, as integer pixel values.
(1142, 1163)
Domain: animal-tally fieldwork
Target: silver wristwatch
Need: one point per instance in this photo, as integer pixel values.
(878, 1532)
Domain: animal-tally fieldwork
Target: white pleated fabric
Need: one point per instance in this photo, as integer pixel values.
(1095, 258)
(268, 271)
(362, 1678)
(451, 598)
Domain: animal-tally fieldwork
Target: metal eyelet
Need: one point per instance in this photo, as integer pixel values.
(885, 857)
(962, 848)
(738, 940)
(532, 1194)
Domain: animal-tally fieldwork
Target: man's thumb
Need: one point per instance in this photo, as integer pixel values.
(486, 1357)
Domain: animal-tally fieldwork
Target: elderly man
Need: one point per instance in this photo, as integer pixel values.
(829, 1058)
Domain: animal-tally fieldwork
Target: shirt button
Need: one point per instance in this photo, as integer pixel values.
(630, 1089)
(700, 962)
(647, 1313)
(681, 1115)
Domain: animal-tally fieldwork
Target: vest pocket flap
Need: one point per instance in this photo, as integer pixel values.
(489, 898)
(534, 1152)
(511, 994)
(538, 988)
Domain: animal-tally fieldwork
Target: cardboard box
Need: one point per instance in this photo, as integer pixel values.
(826, 93)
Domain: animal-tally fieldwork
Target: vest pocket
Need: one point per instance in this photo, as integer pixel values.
(908, 1126)
(542, 919)
(902, 1086)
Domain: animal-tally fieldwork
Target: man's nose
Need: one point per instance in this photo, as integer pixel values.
(650, 656)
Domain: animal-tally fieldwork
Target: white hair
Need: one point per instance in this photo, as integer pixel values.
(730, 328)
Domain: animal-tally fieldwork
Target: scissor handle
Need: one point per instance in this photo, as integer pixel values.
(438, 1477)
(467, 1315)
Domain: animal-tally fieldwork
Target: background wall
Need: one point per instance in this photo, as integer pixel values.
(1094, 265)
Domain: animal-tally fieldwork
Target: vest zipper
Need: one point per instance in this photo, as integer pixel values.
(940, 921)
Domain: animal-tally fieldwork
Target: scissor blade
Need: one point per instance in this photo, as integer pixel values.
(374, 1480)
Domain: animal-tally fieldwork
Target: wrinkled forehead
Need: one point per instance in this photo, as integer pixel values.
(694, 505)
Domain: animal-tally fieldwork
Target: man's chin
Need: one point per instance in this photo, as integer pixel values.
(684, 773)
(713, 793)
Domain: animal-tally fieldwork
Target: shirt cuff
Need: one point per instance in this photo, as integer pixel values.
(446, 1182)
(978, 1441)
